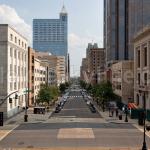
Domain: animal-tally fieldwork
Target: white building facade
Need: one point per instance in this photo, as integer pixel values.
(142, 68)
(13, 70)
(39, 76)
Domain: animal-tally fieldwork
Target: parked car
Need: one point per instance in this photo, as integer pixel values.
(92, 108)
(57, 109)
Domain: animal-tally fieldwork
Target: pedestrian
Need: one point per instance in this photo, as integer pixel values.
(109, 111)
(120, 115)
(112, 113)
(116, 112)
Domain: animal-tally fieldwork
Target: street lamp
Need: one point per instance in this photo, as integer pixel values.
(144, 147)
(26, 104)
(103, 100)
(126, 112)
(144, 136)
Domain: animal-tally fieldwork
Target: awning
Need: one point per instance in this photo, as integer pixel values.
(132, 106)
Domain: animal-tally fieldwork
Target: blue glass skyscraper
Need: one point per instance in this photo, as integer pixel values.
(52, 34)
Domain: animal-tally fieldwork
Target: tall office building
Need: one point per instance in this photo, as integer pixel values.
(52, 34)
(122, 19)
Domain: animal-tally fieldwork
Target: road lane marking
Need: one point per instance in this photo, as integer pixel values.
(6, 132)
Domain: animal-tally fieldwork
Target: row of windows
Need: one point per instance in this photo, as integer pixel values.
(139, 55)
(18, 41)
(14, 69)
(40, 71)
(37, 87)
(16, 86)
(39, 79)
(17, 54)
(47, 25)
(142, 80)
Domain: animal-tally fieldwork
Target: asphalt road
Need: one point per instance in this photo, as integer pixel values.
(74, 133)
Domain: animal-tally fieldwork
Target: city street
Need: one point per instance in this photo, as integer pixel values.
(75, 126)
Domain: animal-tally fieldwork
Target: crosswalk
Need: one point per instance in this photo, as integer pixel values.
(75, 96)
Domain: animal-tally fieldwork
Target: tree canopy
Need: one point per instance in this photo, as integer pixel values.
(47, 94)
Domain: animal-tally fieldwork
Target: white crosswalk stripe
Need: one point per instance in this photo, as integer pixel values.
(74, 96)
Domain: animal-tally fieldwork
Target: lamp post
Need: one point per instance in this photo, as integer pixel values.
(144, 136)
(126, 112)
(26, 106)
(103, 100)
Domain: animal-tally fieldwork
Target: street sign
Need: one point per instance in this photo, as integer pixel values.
(27, 90)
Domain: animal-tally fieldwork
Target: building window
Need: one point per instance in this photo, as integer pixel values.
(11, 86)
(11, 71)
(15, 53)
(15, 70)
(25, 57)
(19, 55)
(15, 39)
(11, 37)
(32, 59)
(19, 42)
(22, 57)
(15, 86)
(25, 71)
(11, 51)
(145, 56)
(145, 78)
(137, 99)
(138, 59)
(139, 78)
(18, 70)
(22, 44)
(22, 72)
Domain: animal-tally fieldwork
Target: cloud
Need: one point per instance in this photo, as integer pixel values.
(77, 50)
(9, 16)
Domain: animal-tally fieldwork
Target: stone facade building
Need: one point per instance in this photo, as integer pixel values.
(123, 80)
(142, 67)
(13, 70)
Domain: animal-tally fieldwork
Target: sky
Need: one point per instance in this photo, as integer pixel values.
(85, 22)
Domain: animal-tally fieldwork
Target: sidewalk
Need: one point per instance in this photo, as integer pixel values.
(14, 122)
(116, 120)
(32, 118)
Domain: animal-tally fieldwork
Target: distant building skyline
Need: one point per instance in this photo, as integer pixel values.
(84, 26)
(52, 34)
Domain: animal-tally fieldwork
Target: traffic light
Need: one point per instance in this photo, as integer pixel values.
(16, 96)
(10, 100)
(25, 107)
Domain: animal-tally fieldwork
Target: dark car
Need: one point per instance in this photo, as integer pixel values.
(57, 109)
(92, 108)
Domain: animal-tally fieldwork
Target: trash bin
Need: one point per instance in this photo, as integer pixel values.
(35, 111)
(141, 118)
(120, 116)
(1, 118)
(25, 118)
